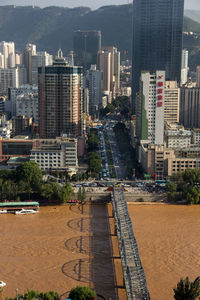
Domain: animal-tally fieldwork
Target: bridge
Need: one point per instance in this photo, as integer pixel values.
(134, 275)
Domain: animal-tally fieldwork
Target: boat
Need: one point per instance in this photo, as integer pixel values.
(25, 211)
(3, 211)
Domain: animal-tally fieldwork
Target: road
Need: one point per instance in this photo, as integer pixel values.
(119, 167)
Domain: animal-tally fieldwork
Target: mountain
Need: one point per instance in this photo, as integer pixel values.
(191, 25)
(52, 27)
(193, 14)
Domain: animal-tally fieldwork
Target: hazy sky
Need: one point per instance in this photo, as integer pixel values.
(189, 4)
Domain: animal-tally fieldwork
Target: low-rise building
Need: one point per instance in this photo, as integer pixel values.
(57, 154)
(176, 137)
(164, 162)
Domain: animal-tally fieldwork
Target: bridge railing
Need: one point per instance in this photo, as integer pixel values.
(134, 275)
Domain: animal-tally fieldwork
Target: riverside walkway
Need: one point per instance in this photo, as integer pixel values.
(134, 276)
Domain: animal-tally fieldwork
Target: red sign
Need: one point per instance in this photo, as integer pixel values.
(160, 97)
(160, 83)
(159, 104)
(160, 91)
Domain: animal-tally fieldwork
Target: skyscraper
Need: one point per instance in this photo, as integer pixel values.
(184, 67)
(86, 45)
(157, 38)
(7, 49)
(60, 100)
(150, 107)
(108, 61)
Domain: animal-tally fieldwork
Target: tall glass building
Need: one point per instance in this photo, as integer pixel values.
(157, 39)
(86, 44)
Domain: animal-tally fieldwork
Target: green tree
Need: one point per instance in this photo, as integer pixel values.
(82, 195)
(29, 172)
(93, 141)
(187, 290)
(171, 188)
(33, 295)
(82, 293)
(66, 193)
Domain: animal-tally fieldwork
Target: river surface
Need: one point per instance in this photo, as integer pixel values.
(168, 237)
(57, 249)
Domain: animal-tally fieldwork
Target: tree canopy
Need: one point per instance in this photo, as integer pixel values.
(33, 295)
(187, 290)
(29, 172)
(82, 293)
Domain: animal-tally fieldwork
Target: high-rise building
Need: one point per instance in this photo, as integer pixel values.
(60, 100)
(104, 65)
(93, 83)
(190, 107)
(172, 102)
(114, 68)
(150, 107)
(40, 59)
(9, 78)
(86, 44)
(7, 49)
(157, 39)
(198, 76)
(29, 51)
(184, 67)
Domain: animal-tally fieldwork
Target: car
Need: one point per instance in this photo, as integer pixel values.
(2, 284)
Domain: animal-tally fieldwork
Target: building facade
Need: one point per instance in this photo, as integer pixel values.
(60, 153)
(150, 108)
(60, 100)
(27, 105)
(86, 44)
(184, 67)
(93, 83)
(157, 39)
(172, 102)
(190, 107)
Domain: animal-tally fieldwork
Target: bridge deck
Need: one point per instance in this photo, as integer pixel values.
(134, 276)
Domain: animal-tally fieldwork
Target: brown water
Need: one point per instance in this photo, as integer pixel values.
(168, 237)
(57, 249)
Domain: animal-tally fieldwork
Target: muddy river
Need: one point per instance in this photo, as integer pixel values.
(57, 249)
(168, 237)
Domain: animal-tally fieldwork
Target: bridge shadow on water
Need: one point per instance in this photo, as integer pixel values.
(97, 270)
(102, 266)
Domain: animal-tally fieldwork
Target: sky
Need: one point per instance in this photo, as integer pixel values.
(94, 4)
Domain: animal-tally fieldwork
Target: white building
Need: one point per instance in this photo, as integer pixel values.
(93, 83)
(184, 67)
(59, 153)
(150, 107)
(27, 105)
(177, 137)
(14, 92)
(41, 59)
(172, 102)
(7, 49)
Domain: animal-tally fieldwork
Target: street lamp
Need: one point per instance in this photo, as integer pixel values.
(17, 293)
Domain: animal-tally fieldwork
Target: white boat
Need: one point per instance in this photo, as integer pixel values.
(3, 211)
(25, 211)
(2, 284)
